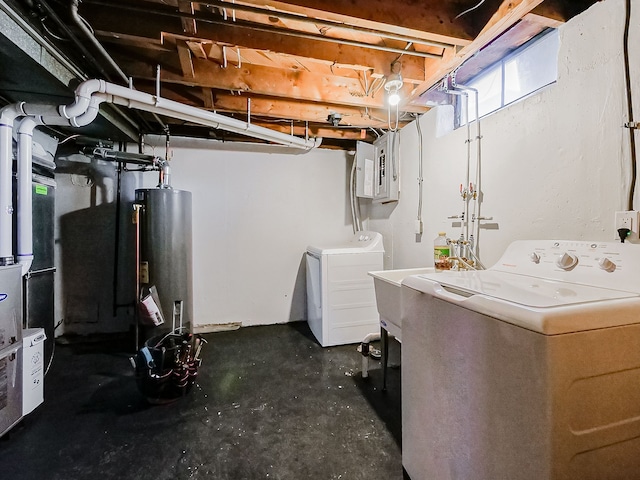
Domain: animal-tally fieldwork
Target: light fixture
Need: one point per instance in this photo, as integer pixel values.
(334, 119)
(394, 84)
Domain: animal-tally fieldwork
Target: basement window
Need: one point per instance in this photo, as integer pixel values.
(516, 76)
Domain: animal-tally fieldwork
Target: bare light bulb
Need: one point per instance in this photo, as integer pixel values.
(392, 86)
(394, 98)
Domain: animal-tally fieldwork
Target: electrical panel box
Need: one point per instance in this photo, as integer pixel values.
(377, 169)
(365, 169)
(387, 168)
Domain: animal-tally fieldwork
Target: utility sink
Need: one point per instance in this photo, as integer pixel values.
(387, 284)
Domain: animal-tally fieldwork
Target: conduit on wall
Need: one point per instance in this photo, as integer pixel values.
(631, 125)
(88, 97)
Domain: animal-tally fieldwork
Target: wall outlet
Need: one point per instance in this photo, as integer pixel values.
(629, 219)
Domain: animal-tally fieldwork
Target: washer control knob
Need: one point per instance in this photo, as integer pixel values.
(535, 258)
(605, 264)
(567, 261)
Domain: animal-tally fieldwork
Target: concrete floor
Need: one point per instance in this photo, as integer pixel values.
(269, 403)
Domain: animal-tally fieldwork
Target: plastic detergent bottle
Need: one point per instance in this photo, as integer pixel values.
(441, 252)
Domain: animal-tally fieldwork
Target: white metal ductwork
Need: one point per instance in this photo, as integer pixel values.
(88, 97)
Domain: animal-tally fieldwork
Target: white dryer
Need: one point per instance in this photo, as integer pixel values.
(529, 370)
(341, 302)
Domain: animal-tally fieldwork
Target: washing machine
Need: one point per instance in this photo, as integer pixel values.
(341, 301)
(529, 370)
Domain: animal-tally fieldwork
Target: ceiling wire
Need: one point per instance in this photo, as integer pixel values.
(469, 10)
(50, 32)
(409, 45)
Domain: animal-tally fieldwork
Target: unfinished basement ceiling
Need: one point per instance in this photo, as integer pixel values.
(289, 66)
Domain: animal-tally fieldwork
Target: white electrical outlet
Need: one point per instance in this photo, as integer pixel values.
(629, 219)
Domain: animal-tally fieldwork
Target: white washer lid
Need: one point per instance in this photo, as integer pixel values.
(545, 306)
(361, 242)
(523, 289)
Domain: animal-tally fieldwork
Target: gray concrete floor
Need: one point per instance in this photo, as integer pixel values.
(269, 403)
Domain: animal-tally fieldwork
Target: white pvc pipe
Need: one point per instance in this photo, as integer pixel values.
(81, 112)
(154, 104)
(83, 93)
(24, 254)
(8, 115)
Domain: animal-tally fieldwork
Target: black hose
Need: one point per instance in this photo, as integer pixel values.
(65, 28)
(116, 253)
(631, 126)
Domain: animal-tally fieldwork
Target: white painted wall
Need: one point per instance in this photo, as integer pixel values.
(555, 165)
(254, 214)
(85, 247)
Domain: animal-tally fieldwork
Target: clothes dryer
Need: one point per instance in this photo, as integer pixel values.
(341, 302)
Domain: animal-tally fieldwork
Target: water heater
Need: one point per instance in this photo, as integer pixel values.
(165, 252)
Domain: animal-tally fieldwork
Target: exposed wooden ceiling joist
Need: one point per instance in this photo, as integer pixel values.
(299, 85)
(297, 61)
(509, 12)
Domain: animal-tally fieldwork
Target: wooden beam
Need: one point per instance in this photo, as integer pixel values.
(297, 129)
(207, 97)
(133, 41)
(344, 133)
(547, 22)
(300, 111)
(341, 56)
(509, 12)
(344, 56)
(188, 25)
(184, 54)
(197, 49)
(562, 10)
(270, 107)
(428, 19)
(259, 80)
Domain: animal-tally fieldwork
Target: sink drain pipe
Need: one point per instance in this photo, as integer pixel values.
(365, 350)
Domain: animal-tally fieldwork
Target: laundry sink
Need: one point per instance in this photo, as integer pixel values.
(387, 284)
